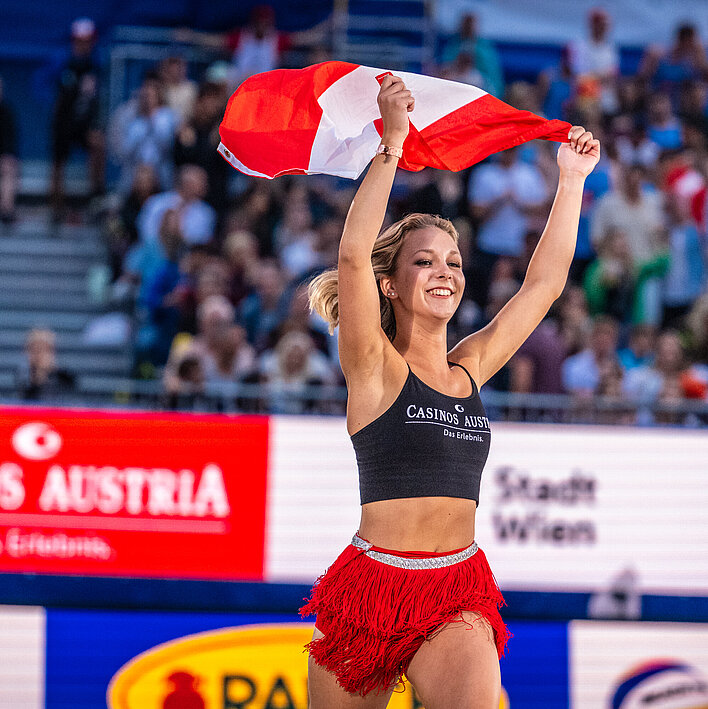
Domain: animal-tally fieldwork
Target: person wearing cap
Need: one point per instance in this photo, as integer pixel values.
(75, 115)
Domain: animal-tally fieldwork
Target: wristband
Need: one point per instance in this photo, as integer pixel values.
(389, 150)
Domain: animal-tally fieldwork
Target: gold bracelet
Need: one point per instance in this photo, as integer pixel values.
(389, 150)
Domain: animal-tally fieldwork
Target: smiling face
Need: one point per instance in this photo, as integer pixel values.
(428, 279)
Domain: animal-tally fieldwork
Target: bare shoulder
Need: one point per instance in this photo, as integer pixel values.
(374, 388)
(468, 353)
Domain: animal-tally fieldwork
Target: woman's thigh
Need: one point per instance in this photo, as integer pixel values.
(325, 693)
(458, 668)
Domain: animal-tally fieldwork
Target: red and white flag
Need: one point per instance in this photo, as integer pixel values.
(325, 119)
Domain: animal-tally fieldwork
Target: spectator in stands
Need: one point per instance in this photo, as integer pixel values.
(265, 309)
(693, 105)
(684, 61)
(197, 218)
(464, 70)
(180, 92)
(8, 161)
(632, 144)
(536, 367)
(633, 209)
(686, 275)
(159, 299)
(582, 372)
(503, 194)
(39, 378)
(148, 136)
(241, 251)
(639, 351)
(198, 139)
(646, 383)
(483, 55)
(555, 88)
(75, 118)
(614, 283)
(664, 127)
(696, 333)
(288, 371)
(596, 58)
(220, 347)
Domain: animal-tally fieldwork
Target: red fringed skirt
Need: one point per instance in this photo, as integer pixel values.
(377, 606)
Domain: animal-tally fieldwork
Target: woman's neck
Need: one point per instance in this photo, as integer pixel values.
(422, 346)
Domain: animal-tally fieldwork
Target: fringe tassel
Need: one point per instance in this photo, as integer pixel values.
(375, 617)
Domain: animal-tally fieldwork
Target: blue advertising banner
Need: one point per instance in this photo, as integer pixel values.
(177, 660)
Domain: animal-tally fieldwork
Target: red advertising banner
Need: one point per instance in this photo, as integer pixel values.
(129, 494)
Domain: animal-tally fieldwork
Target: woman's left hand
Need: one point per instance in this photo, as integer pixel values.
(581, 154)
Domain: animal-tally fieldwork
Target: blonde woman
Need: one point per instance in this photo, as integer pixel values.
(413, 593)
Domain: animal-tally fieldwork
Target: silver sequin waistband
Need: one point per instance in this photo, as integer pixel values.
(402, 562)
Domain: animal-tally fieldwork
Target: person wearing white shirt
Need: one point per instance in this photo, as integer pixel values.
(197, 218)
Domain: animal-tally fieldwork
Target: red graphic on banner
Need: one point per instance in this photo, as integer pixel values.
(151, 495)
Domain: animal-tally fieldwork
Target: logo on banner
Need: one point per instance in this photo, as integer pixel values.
(36, 441)
(661, 684)
(246, 667)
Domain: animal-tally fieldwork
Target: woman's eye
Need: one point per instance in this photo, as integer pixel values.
(423, 262)
(454, 264)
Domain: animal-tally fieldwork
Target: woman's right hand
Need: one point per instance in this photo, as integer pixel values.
(395, 102)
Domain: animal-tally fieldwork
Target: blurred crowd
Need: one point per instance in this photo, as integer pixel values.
(213, 265)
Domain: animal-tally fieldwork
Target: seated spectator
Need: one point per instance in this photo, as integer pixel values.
(597, 57)
(644, 384)
(574, 320)
(484, 56)
(612, 410)
(685, 60)
(288, 371)
(686, 275)
(632, 143)
(241, 251)
(197, 142)
(537, 365)
(555, 88)
(696, 332)
(693, 105)
(121, 226)
(582, 372)
(197, 218)
(180, 92)
(75, 119)
(158, 303)
(39, 378)
(147, 137)
(220, 348)
(632, 208)
(8, 161)
(295, 239)
(266, 308)
(664, 127)
(614, 283)
(464, 70)
(639, 351)
(503, 195)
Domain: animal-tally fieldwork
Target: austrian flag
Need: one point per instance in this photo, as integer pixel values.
(325, 119)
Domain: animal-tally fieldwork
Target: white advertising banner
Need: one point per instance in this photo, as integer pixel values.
(634, 22)
(638, 665)
(562, 508)
(22, 633)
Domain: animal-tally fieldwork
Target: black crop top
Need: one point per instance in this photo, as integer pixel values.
(426, 444)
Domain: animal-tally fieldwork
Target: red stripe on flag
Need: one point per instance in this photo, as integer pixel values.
(475, 131)
(271, 120)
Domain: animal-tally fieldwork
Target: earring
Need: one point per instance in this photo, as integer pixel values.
(391, 292)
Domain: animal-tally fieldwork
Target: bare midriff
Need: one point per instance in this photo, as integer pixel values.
(433, 524)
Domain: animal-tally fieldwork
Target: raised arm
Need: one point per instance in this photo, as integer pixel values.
(361, 338)
(489, 349)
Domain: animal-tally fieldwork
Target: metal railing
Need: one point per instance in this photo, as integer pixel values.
(240, 397)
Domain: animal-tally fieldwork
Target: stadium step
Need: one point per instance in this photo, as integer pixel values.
(56, 320)
(87, 362)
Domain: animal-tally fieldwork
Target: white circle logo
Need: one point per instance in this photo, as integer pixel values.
(36, 441)
(459, 407)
